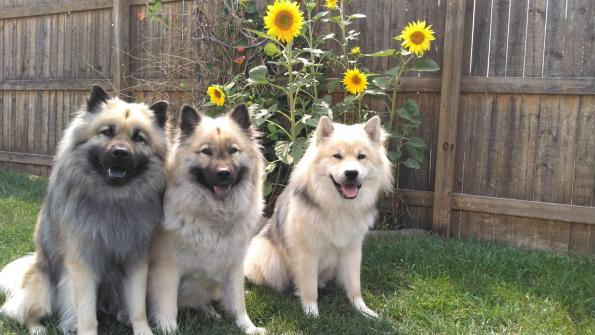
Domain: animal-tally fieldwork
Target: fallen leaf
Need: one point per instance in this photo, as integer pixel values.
(239, 60)
(141, 15)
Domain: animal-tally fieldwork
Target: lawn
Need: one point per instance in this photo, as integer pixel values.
(419, 284)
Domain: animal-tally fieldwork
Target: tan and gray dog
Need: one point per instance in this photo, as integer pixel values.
(321, 218)
(93, 233)
(211, 207)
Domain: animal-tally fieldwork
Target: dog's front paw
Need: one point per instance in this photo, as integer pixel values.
(167, 326)
(37, 330)
(142, 330)
(311, 309)
(361, 307)
(368, 312)
(251, 329)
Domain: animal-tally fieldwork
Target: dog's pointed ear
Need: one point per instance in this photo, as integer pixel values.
(98, 97)
(160, 112)
(325, 129)
(241, 116)
(190, 119)
(374, 129)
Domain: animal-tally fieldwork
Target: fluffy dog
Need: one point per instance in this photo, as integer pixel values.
(93, 233)
(211, 207)
(321, 218)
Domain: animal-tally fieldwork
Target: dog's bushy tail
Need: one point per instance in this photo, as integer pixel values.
(27, 292)
(264, 264)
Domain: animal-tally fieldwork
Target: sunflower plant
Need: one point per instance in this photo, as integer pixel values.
(216, 95)
(415, 40)
(294, 55)
(303, 75)
(354, 80)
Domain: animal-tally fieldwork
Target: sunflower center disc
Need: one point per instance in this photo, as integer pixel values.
(417, 37)
(356, 80)
(217, 94)
(284, 20)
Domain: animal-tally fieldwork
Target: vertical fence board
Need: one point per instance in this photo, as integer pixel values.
(516, 38)
(121, 13)
(524, 181)
(556, 33)
(481, 37)
(498, 37)
(534, 49)
(501, 185)
(588, 63)
(449, 107)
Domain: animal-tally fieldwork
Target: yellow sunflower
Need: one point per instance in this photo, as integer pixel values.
(355, 81)
(356, 51)
(416, 37)
(284, 20)
(216, 94)
(331, 4)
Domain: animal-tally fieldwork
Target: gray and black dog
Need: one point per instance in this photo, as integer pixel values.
(93, 233)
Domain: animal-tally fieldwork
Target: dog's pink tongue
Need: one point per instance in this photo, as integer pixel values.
(349, 190)
(221, 191)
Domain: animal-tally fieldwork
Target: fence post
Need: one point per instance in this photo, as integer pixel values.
(447, 121)
(121, 25)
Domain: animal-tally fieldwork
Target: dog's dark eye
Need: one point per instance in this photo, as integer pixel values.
(137, 137)
(337, 156)
(361, 156)
(233, 150)
(109, 131)
(206, 151)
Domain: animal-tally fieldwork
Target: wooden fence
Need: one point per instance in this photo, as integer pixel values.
(509, 120)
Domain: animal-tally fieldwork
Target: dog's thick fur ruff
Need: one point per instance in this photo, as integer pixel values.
(197, 256)
(321, 218)
(95, 226)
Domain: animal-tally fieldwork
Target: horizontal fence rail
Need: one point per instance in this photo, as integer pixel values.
(505, 85)
(505, 206)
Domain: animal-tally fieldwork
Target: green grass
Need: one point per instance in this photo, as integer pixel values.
(420, 285)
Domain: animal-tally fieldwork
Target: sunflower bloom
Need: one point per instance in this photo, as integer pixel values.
(216, 94)
(331, 4)
(416, 37)
(356, 51)
(355, 81)
(284, 20)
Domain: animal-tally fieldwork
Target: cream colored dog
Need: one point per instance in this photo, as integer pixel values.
(212, 203)
(321, 218)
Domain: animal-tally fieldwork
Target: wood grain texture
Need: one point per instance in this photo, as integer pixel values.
(52, 85)
(121, 36)
(541, 86)
(35, 8)
(449, 107)
(524, 208)
(25, 158)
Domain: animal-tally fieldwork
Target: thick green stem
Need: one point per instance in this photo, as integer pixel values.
(393, 106)
(290, 93)
(359, 107)
(312, 46)
(343, 38)
(393, 111)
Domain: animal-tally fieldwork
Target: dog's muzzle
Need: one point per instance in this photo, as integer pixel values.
(349, 188)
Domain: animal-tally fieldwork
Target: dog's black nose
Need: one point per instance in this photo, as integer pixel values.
(120, 152)
(223, 174)
(351, 174)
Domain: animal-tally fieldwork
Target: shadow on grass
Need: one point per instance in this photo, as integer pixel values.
(503, 288)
